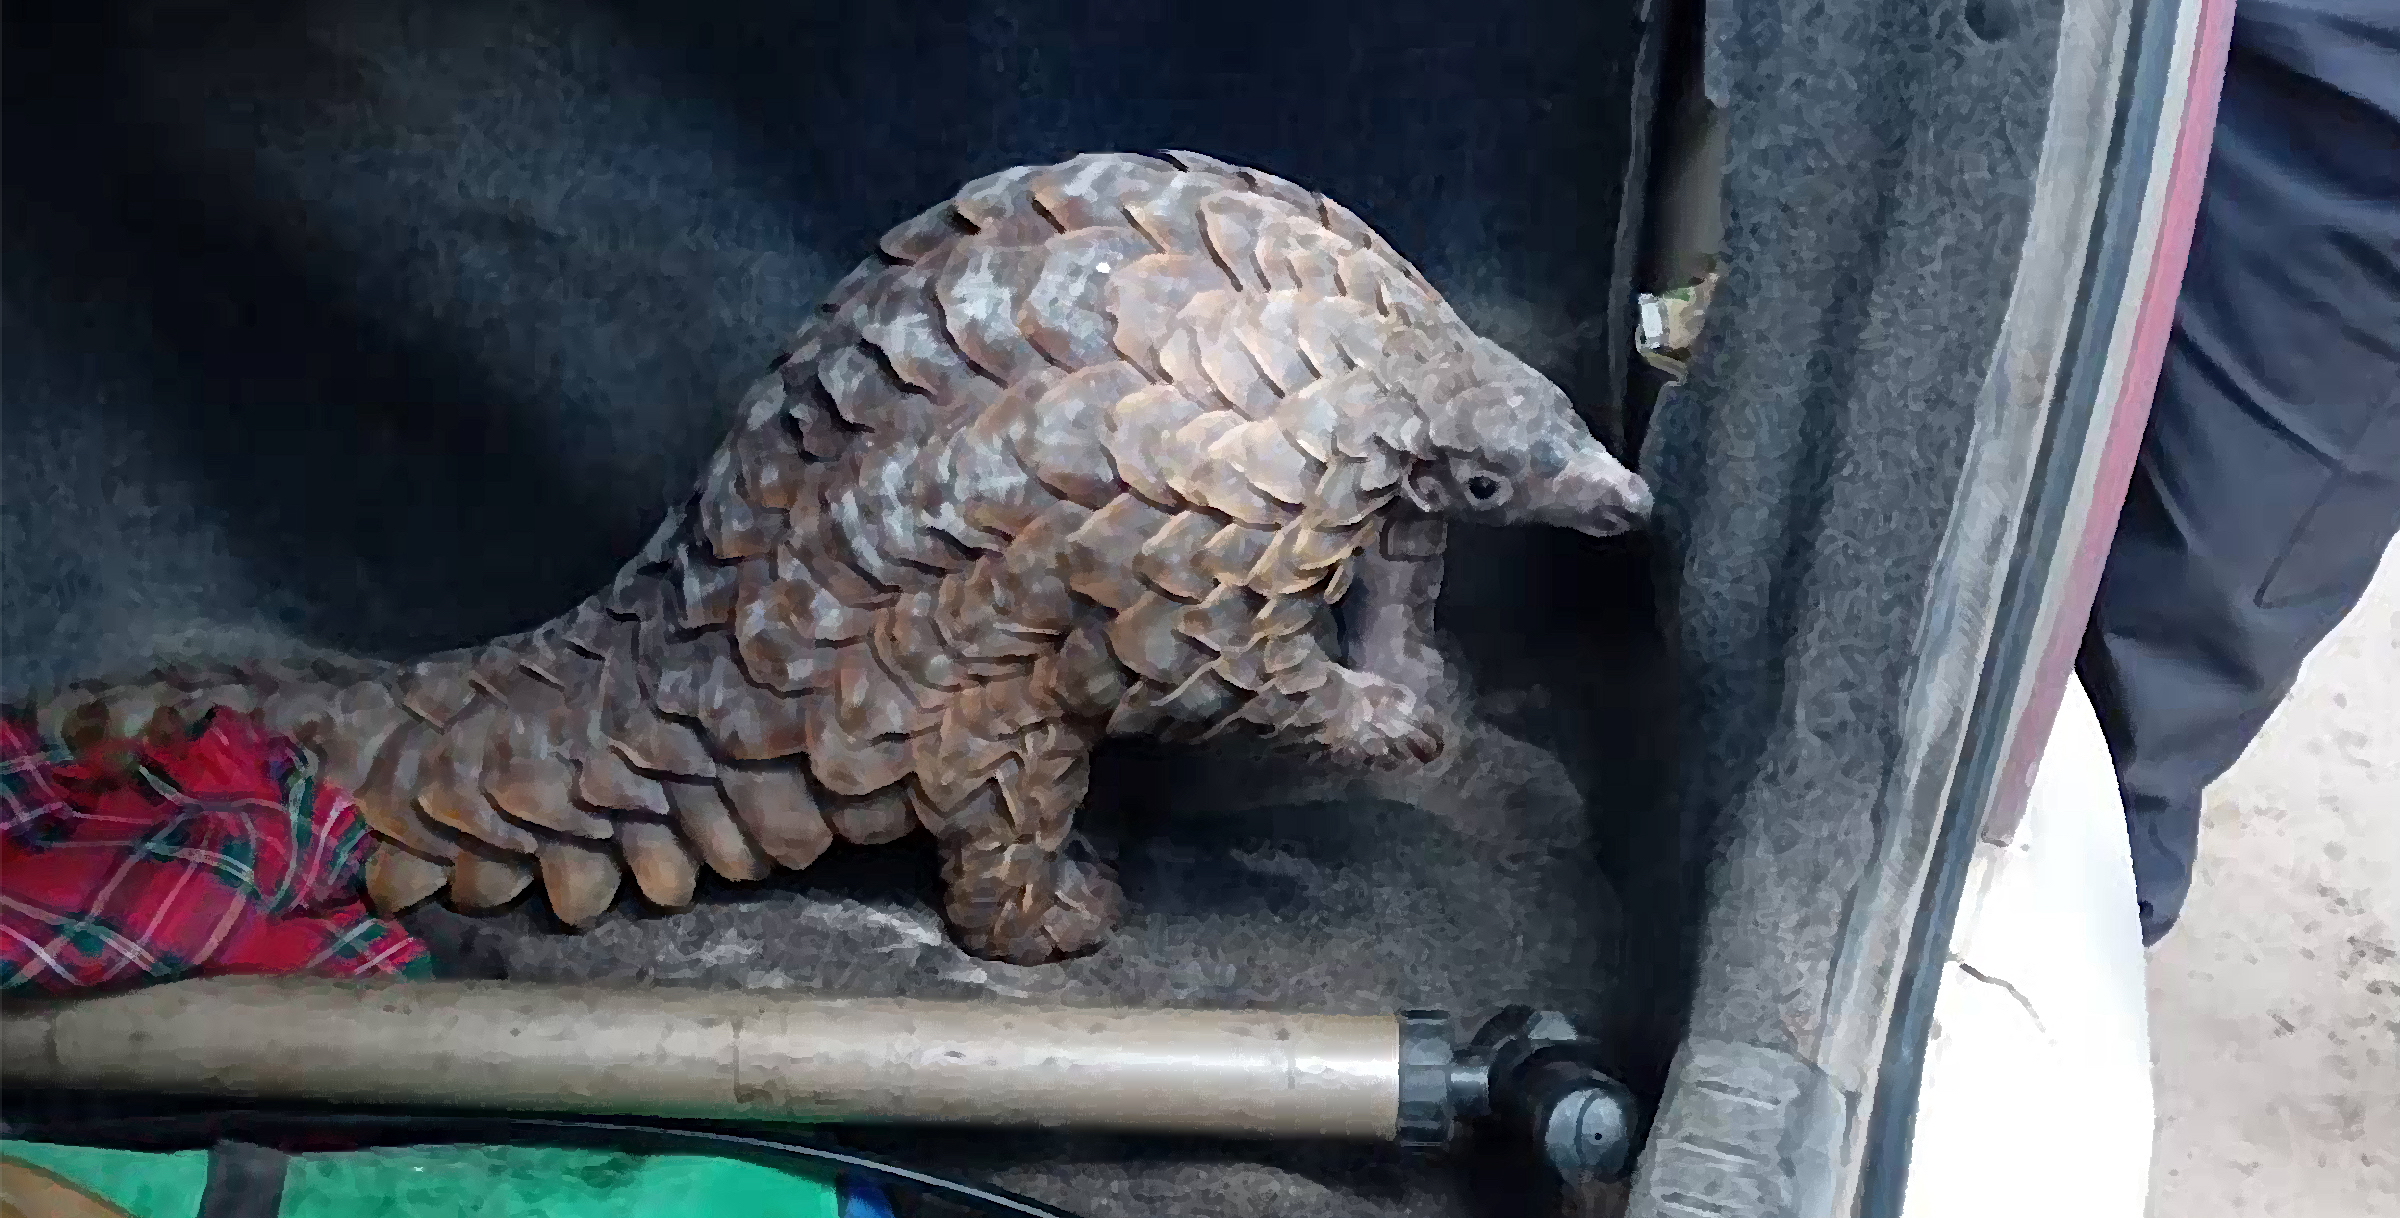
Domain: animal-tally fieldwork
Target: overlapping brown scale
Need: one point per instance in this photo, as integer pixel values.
(398, 879)
(1338, 585)
(1298, 253)
(870, 701)
(1221, 622)
(775, 803)
(734, 527)
(707, 588)
(786, 632)
(922, 233)
(1284, 615)
(991, 201)
(1286, 652)
(527, 772)
(437, 690)
(1170, 215)
(1310, 417)
(766, 448)
(708, 824)
(1370, 278)
(387, 797)
(947, 531)
(977, 813)
(1366, 429)
(1170, 560)
(1142, 440)
(1138, 711)
(675, 665)
(1020, 701)
(644, 738)
(579, 877)
(1265, 327)
(899, 320)
(662, 865)
(1066, 315)
(369, 718)
(1041, 803)
(1230, 554)
(1269, 461)
(1198, 704)
(978, 293)
(862, 518)
(1098, 561)
(1082, 678)
(1299, 199)
(1232, 223)
(304, 713)
(1025, 586)
(813, 336)
(1091, 190)
(1145, 295)
(1244, 669)
(1068, 452)
(872, 819)
(1179, 355)
(1217, 484)
(1214, 322)
(745, 720)
(884, 590)
(865, 392)
(484, 878)
(910, 646)
(962, 752)
(823, 435)
(1148, 640)
(1342, 496)
(848, 761)
(979, 462)
(823, 560)
(1344, 223)
(449, 787)
(962, 615)
(1302, 557)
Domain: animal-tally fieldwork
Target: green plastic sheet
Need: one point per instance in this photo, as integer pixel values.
(456, 1182)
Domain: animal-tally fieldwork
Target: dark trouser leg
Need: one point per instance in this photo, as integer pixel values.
(2269, 481)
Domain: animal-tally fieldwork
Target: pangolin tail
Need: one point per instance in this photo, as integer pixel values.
(536, 755)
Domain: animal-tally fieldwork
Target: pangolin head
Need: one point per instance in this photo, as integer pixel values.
(1502, 444)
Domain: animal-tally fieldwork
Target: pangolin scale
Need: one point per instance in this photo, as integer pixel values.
(1124, 445)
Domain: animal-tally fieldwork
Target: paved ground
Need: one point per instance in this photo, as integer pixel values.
(2275, 1004)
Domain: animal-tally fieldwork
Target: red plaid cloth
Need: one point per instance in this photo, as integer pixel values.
(218, 853)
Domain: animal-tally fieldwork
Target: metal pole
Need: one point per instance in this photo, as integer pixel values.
(700, 1053)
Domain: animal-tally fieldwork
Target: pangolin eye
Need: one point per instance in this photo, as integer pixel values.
(1483, 488)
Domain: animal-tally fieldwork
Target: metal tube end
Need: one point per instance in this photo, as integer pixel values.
(1426, 1056)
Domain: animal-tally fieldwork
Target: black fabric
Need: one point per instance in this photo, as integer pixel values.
(2268, 484)
(244, 1181)
(1879, 168)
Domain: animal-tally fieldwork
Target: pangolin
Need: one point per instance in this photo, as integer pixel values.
(1128, 444)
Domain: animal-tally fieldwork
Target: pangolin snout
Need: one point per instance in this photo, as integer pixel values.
(1595, 495)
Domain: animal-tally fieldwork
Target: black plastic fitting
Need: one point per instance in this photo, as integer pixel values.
(1530, 1076)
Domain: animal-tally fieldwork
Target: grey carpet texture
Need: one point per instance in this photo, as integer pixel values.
(376, 329)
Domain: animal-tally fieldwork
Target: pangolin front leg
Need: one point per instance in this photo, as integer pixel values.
(1387, 616)
(1315, 701)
